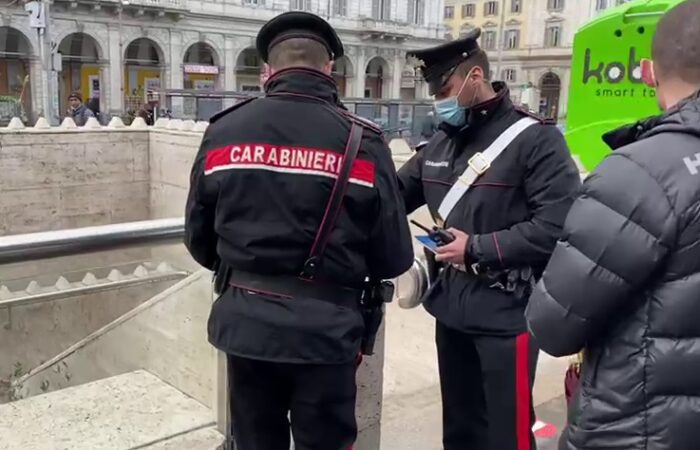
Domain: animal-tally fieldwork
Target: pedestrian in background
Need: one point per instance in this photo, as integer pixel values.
(78, 111)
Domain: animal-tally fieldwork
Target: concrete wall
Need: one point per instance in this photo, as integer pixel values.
(58, 178)
(165, 335)
(32, 334)
(171, 156)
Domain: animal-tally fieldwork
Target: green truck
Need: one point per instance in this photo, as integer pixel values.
(606, 90)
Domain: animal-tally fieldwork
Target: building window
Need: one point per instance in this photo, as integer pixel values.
(516, 6)
(449, 12)
(468, 10)
(253, 2)
(488, 40)
(300, 5)
(491, 8)
(601, 4)
(508, 75)
(512, 39)
(251, 60)
(555, 5)
(416, 12)
(552, 36)
(340, 8)
(381, 9)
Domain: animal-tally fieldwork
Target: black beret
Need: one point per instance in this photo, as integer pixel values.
(298, 24)
(440, 62)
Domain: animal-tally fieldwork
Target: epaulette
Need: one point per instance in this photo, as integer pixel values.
(361, 121)
(534, 115)
(221, 114)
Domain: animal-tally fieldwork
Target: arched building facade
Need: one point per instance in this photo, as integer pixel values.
(116, 53)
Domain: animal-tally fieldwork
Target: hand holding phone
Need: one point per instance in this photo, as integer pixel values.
(437, 234)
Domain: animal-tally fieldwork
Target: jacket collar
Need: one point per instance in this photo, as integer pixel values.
(303, 81)
(682, 118)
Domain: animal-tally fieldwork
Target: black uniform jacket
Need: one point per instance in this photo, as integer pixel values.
(624, 284)
(259, 188)
(513, 213)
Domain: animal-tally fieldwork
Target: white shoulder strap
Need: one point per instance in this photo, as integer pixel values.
(479, 163)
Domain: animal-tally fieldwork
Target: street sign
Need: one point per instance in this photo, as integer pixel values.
(37, 19)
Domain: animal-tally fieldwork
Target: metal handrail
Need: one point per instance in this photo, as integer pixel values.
(53, 244)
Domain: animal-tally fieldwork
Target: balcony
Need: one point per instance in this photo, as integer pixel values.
(384, 30)
(159, 7)
(161, 4)
(533, 53)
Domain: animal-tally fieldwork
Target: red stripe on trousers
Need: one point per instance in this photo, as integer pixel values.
(522, 391)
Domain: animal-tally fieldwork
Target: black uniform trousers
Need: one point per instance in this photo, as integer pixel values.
(319, 400)
(486, 384)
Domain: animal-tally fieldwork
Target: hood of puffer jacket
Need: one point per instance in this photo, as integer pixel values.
(682, 118)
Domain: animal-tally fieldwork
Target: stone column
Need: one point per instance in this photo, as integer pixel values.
(564, 92)
(350, 81)
(230, 53)
(38, 84)
(396, 79)
(106, 99)
(114, 83)
(360, 76)
(176, 74)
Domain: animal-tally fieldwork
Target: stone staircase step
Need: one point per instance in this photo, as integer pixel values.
(133, 410)
(203, 439)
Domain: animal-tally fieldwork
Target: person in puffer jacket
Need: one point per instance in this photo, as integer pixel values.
(623, 283)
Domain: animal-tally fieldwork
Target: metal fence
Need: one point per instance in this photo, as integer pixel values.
(398, 118)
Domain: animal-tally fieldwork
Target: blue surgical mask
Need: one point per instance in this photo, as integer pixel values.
(450, 111)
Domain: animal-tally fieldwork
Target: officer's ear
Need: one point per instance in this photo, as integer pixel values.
(480, 75)
(328, 68)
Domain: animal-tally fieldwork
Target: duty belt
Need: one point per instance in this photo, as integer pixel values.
(288, 286)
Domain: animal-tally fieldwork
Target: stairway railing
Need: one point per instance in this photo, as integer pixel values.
(52, 244)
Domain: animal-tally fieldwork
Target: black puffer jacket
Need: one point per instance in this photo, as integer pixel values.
(624, 285)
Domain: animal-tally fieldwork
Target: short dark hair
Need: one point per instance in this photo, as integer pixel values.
(75, 95)
(298, 52)
(480, 59)
(676, 44)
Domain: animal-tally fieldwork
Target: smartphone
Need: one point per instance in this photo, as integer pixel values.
(428, 242)
(439, 235)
